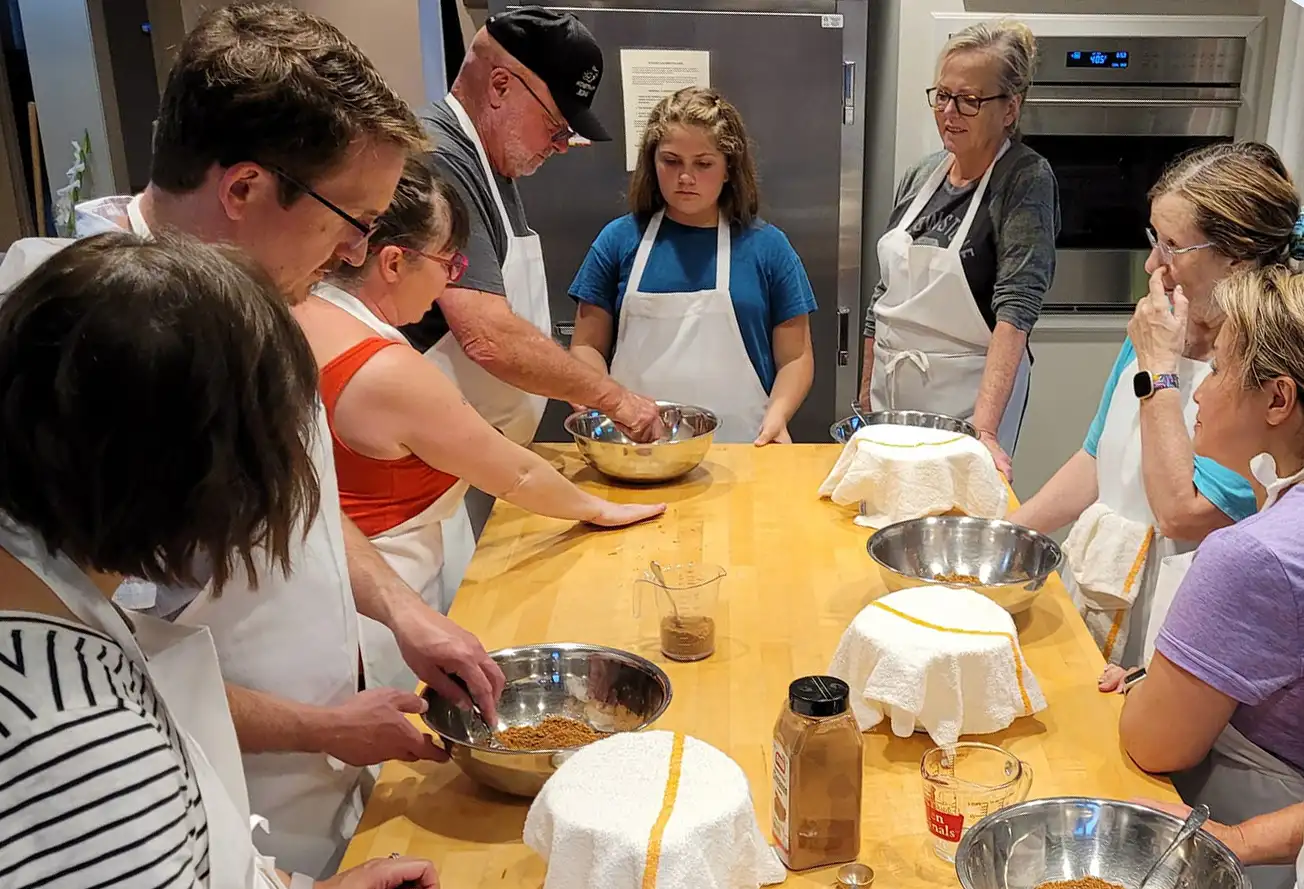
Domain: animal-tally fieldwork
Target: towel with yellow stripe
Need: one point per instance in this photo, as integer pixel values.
(650, 810)
(1107, 555)
(943, 660)
(897, 473)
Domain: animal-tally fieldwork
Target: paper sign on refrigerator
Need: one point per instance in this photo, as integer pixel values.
(649, 75)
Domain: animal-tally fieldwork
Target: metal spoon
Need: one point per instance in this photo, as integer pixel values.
(1190, 827)
(665, 588)
(490, 734)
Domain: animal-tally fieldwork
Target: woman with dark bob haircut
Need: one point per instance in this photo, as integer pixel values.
(155, 401)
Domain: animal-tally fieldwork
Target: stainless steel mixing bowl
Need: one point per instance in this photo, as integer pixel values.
(609, 689)
(610, 451)
(842, 430)
(1010, 561)
(1068, 838)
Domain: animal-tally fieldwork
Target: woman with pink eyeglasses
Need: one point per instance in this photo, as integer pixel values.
(406, 443)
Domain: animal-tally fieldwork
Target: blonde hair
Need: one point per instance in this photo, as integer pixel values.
(695, 106)
(1243, 198)
(1012, 44)
(1265, 313)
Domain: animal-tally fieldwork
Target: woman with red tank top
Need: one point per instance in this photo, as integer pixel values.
(407, 444)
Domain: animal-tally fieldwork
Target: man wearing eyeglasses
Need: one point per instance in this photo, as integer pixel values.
(277, 135)
(523, 93)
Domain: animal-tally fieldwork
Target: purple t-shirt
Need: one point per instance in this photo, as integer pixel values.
(1237, 623)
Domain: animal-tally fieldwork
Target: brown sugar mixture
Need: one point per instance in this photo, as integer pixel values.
(554, 733)
(958, 578)
(687, 638)
(1081, 883)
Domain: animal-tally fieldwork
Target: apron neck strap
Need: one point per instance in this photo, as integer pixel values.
(468, 127)
(723, 254)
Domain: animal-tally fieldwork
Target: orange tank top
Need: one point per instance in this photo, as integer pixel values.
(377, 494)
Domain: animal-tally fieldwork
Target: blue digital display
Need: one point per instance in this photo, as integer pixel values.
(1096, 58)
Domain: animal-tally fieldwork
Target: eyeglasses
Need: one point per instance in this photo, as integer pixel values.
(1167, 253)
(365, 231)
(561, 132)
(968, 106)
(455, 265)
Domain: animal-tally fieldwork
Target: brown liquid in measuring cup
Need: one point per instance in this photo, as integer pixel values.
(817, 776)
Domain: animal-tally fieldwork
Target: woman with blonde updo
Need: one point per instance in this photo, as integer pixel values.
(1222, 704)
(692, 297)
(970, 249)
(1141, 498)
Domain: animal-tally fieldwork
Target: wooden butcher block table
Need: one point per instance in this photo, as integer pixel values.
(797, 575)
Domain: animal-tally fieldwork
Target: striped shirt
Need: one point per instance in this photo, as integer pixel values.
(95, 787)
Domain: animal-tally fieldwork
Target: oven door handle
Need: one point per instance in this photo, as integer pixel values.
(1107, 102)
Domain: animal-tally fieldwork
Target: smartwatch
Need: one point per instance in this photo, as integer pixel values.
(1145, 384)
(1131, 680)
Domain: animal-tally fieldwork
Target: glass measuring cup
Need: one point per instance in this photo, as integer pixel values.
(686, 597)
(964, 783)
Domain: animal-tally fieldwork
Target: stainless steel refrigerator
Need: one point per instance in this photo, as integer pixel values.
(796, 71)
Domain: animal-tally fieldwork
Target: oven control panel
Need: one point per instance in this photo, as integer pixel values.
(1157, 61)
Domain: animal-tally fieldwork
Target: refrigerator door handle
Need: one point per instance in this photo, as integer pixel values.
(844, 336)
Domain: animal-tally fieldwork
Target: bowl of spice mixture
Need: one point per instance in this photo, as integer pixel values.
(1081, 843)
(558, 698)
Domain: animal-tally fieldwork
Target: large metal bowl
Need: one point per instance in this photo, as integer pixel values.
(610, 689)
(610, 451)
(842, 430)
(1010, 561)
(1069, 838)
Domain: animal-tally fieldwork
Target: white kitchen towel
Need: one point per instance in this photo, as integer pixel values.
(936, 658)
(1107, 554)
(897, 473)
(650, 809)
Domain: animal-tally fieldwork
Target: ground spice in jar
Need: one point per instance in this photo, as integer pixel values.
(687, 638)
(554, 733)
(817, 776)
(1081, 883)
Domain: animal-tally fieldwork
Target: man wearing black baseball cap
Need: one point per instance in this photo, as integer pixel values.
(524, 93)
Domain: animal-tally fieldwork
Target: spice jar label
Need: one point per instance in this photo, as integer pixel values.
(781, 804)
(944, 825)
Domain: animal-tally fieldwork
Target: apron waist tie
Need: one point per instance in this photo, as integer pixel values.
(915, 357)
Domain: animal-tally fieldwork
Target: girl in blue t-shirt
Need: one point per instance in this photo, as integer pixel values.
(691, 297)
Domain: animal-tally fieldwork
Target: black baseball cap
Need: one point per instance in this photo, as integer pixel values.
(563, 54)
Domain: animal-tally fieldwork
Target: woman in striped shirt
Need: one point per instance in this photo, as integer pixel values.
(157, 399)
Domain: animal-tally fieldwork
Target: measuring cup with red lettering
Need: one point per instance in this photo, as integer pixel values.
(964, 783)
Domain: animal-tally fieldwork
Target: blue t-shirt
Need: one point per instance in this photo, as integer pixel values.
(767, 281)
(1229, 491)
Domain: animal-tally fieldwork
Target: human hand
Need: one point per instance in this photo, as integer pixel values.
(1111, 681)
(372, 727)
(617, 515)
(1230, 836)
(639, 417)
(433, 646)
(773, 430)
(1158, 327)
(385, 873)
(998, 454)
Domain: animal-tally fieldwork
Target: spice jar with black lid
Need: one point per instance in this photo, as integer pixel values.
(817, 775)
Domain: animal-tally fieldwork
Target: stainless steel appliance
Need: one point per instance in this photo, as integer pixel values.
(796, 71)
(1109, 113)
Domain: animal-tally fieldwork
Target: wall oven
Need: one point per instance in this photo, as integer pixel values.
(1109, 113)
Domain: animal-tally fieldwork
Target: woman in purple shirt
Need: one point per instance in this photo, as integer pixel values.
(1222, 706)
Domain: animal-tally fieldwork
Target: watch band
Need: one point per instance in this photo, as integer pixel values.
(1131, 680)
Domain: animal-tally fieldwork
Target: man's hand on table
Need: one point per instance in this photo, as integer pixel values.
(1003, 462)
(372, 727)
(435, 647)
(386, 873)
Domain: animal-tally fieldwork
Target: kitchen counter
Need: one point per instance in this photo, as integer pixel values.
(798, 574)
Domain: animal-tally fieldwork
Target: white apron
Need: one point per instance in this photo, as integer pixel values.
(182, 665)
(688, 347)
(415, 549)
(509, 410)
(930, 346)
(1126, 635)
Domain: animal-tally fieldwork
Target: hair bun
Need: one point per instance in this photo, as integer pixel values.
(1297, 240)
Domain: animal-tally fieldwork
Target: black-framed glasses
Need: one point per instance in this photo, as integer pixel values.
(365, 231)
(968, 106)
(561, 131)
(455, 265)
